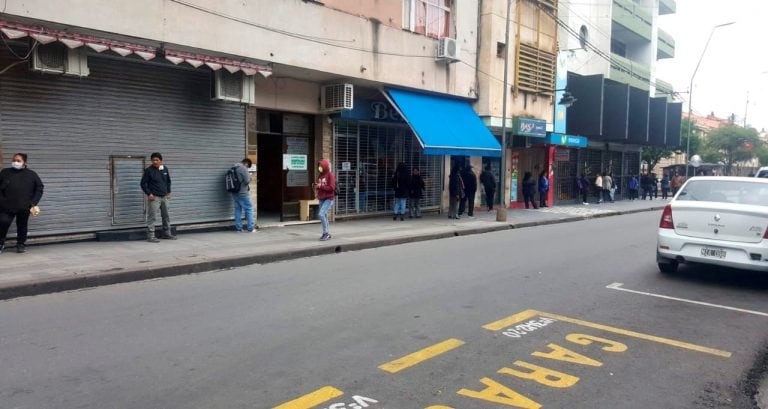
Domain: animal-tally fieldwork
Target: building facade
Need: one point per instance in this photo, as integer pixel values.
(90, 99)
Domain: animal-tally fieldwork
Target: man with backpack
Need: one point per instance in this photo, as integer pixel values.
(238, 183)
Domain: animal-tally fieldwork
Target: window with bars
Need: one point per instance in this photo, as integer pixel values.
(429, 17)
(365, 158)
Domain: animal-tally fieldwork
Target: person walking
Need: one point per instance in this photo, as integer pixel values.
(156, 184)
(607, 187)
(665, 182)
(241, 198)
(415, 193)
(20, 192)
(469, 179)
(489, 186)
(325, 191)
(401, 181)
(455, 191)
(529, 190)
(583, 186)
(633, 185)
(599, 188)
(543, 188)
(645, 185)
(654, 186)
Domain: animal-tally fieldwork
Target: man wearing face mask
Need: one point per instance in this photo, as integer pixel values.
(20, 192)
(156, 184)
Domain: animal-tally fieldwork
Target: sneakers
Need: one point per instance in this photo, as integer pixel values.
(168, 236)
(584, 203)
(151, 238)
(21, 248)
(325, 237)
(2, 247)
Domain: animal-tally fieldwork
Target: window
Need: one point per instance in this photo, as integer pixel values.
(429, 17)
(618, 48)
(500, 49)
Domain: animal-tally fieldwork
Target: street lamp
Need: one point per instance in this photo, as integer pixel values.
(690, 96)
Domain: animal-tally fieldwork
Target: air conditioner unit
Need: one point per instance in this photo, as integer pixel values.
(447, 50)
(236, 87)
(336, 97)
(56, 58)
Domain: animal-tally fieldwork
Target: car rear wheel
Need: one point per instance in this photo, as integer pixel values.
(668, 267)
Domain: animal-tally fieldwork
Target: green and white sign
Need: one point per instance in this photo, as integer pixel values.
(294, 162)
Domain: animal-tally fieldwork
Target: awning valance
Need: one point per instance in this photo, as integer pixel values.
(216, 63)
(444, 125)
(75, 40)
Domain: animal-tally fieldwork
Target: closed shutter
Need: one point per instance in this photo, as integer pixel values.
(72, 127)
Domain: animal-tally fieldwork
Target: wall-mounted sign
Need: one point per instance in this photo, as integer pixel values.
(346, 166)
(536, 128)
(372, 110)
(294, 162)
(572, 141)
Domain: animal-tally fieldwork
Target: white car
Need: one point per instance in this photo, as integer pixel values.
(762, 172)
(716, 220)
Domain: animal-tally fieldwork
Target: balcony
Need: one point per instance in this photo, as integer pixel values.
(629, 72)
(667, 7)
(664, 89)
(666, 46)
(631, 22)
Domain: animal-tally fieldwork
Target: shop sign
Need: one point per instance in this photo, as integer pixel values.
(536, 128)
(294, 162)
(373, 110)
(572, 141)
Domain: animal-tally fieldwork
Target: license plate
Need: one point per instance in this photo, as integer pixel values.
(715, 253)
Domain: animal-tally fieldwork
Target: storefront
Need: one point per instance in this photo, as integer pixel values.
(392, 126)
(529, 153)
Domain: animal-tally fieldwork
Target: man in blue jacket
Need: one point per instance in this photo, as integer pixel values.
(242, 199)
(156, 184)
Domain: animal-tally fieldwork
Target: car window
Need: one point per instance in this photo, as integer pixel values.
(763, 173)
(725, 191)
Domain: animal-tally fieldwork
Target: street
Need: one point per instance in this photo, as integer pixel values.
(529, 318)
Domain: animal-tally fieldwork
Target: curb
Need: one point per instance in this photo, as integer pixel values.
(118, 276)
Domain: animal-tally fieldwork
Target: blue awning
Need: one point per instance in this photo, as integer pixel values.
(444, 126)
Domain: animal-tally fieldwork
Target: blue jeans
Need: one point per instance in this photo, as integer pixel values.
(400, 205)
(325, 205)
(243, 203)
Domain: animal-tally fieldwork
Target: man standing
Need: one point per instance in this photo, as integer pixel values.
(156, 184)
(20, 192)
(241, 198)
(489, 186)
(469, 179)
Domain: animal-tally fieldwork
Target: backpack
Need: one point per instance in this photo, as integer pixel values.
(232, 181)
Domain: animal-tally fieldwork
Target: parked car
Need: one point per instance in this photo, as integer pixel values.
(716, 220)
(762, 172)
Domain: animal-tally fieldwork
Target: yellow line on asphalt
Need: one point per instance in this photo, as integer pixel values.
(420, 356)
(511, 320)
(313, 399)
(660, 340)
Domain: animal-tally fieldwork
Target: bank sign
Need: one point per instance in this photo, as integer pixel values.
(372, 110)
(536, 128)
(572, 141)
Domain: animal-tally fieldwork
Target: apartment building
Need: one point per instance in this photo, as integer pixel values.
(90, 88)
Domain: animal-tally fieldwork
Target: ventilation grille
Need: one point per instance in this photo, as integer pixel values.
(50, 58)
(548, 5)
(535, 70)
(230, 85)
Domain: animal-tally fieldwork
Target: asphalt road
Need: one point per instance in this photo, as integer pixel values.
(424, 325)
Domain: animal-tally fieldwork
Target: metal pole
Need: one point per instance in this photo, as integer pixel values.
(690, 98)
(503, 174)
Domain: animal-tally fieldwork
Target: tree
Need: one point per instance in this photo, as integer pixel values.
(731, 144)
(653, 155)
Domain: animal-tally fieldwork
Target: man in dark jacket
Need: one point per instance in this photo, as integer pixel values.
(401, 182)
(455, 191)
(20, 192)
(489, 186)
(470, 188)
(156, 184)
(415, 193)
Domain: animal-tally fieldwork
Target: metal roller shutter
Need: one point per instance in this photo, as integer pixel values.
(72, 127)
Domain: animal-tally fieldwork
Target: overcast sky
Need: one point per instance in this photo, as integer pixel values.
(736, 62)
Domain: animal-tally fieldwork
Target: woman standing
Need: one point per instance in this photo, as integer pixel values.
(20, 192)
(325, 189)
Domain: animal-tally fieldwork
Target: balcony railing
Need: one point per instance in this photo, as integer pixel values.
(667, 7)
(633, 17)
(666, 45)
(663, 88)
(629, 72)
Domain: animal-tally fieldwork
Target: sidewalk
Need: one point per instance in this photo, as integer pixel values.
(59, 267)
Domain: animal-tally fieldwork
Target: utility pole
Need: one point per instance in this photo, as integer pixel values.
(503, 173)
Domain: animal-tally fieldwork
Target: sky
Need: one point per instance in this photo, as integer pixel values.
(735, 66)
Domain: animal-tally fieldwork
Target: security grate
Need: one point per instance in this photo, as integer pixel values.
(365, 158)
(566, 164)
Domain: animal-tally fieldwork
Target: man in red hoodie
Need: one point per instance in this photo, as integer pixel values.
(325, 189)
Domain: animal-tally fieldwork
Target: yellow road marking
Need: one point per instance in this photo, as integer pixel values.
(420, 356)
(509, 321)
(522, 316)
(313, 399)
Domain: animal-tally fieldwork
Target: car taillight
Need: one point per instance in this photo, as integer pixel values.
(666, 218)
(765, 236)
